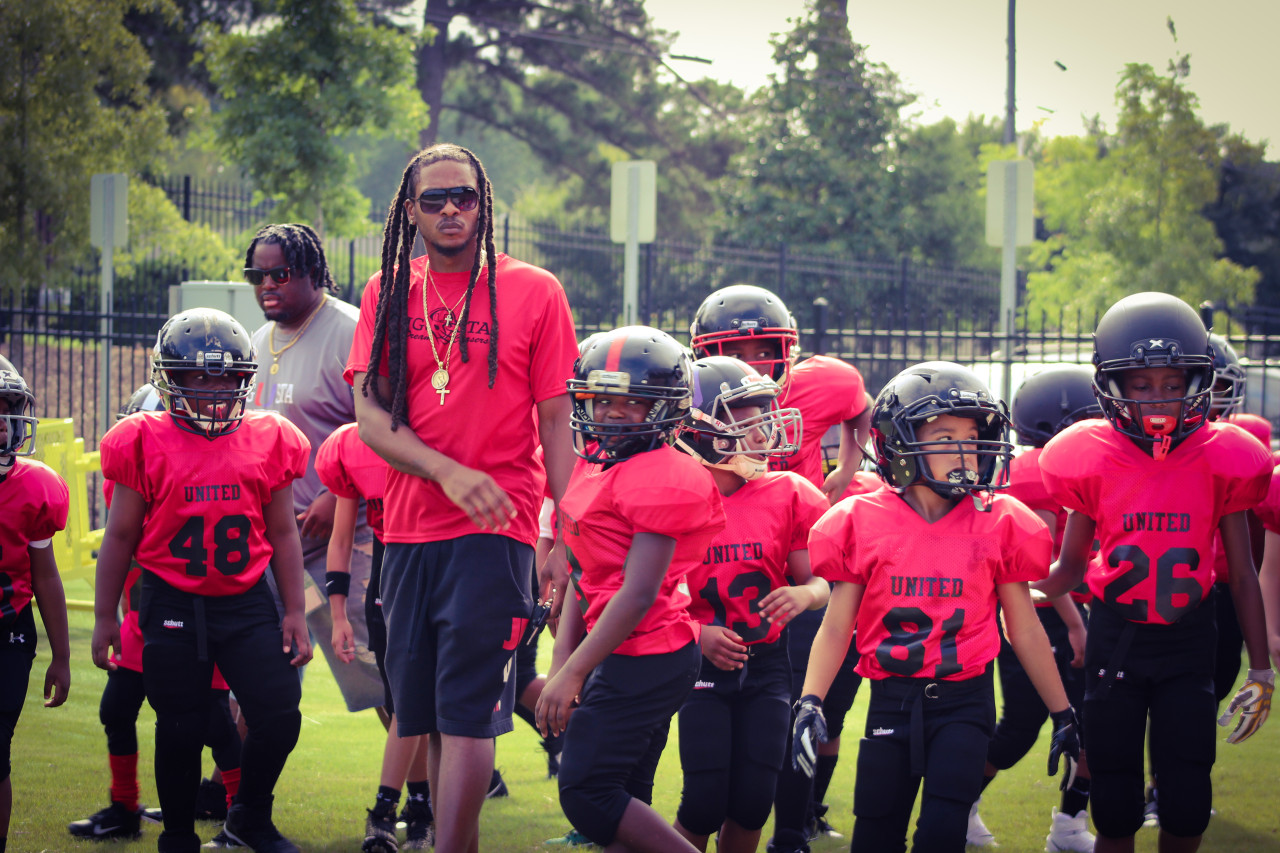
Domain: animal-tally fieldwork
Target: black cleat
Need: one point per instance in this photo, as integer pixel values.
(211, 801)
(253, 828)
(115, 821)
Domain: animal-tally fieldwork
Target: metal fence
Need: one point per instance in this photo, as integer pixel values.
(882, 316)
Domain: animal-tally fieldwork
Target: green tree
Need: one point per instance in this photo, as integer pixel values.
(73, 102)
(311, 74)
(817, 175)
(1126, 212)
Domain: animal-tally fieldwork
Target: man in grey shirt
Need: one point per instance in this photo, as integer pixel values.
(302, 351)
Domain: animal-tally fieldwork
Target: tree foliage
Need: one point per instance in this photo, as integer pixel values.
(581, 84)
(818, 172)
(73, 102)
(316, 71)
(1125, 212)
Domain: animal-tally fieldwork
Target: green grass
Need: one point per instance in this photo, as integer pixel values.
(60, 774)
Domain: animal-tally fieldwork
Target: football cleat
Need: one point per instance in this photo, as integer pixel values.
(977, 835)
(380, 833)
(211, 801)
(222, 841)
(1069, 833)
(252, 827)
(497, 787)
(572, 838)
(115, 821)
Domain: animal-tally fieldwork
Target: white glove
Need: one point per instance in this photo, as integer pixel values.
(1254, 703)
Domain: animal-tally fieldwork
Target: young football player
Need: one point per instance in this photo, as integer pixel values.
(920, 567)
(124, 694)
(754, 580)
(635, 520)
(203, 500)
(1044, 405)
(752, 324)
(36, 502)
(351, 471)
(1152, 484)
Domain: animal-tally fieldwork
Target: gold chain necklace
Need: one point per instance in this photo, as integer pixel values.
(271, 337)
(451, 313)
(440, 378)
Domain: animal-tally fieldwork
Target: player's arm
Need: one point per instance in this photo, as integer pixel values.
(557, 452)
(569, 633)
(46, 586)
(1031, 644)
(337, 572)
(853, 435)
(810, 592)
(1245, 592)
(1269, 583)
(119, 540)
(1077, 633)
(286, 566)
(475, 492)
(1068, 570)
(317, 520)
(646, 565)
(831, 643)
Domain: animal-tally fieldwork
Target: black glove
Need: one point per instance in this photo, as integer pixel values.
(810, 728)
(1065, 743)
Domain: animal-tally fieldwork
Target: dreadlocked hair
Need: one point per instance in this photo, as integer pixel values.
(301, 248)
(391, 322)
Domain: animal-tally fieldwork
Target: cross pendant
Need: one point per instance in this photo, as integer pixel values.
(442, 391)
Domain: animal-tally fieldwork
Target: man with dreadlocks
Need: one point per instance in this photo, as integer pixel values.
(301, 352)
(465, 484)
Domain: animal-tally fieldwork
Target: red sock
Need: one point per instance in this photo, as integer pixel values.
(231, 781)
(124, 780)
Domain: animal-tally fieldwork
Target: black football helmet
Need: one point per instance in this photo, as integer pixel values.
(719, 437)
(1052, 400)
(918, 395)
(746, 311)
(1229, 379)
(638, 363)
(145, 399)
(1153, 330)
(18, 415)
(208, 341)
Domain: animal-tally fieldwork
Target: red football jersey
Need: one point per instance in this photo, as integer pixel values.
(1269, 509)
(663, 491)
(35, 501)
(929, 605)
(491, 429)
(1155, 520)
(1027, 485)
(863, 482)
(765, 520)
(827, 391)
(350, 469)
(204, 531)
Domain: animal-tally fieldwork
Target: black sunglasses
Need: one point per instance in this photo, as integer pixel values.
(464, 198)
(280, 275)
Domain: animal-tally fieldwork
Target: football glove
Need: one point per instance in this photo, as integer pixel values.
(1065, 744)
(810, 728)
(1253, 701)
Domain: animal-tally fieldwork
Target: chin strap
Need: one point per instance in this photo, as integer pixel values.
(1160, 428)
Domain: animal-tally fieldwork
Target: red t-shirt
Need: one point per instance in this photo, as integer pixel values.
(488, 429)
(765, 520)
(663, 491)
(205, 531)
(350, 469)
(1155, 520)
(35, 501)
(929, 605)
(827, 391)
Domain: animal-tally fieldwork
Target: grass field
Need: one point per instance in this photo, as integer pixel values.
(60, 774)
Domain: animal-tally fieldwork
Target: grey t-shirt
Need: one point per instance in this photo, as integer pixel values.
(309, 390)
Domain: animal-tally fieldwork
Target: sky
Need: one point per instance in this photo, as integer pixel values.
(953, 55)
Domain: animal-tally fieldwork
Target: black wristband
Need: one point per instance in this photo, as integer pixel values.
(337, 583)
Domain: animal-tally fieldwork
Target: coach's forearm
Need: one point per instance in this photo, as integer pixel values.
(401, 447)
